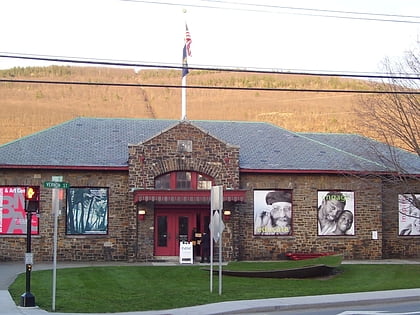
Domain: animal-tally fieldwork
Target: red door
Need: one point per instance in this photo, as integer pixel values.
(173, 226)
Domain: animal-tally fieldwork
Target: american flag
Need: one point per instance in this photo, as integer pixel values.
(188, 40)
(186, 51)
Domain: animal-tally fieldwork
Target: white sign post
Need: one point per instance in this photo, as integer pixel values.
(55, 210)
(216, 228)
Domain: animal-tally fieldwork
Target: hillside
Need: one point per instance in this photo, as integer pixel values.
(27, 107)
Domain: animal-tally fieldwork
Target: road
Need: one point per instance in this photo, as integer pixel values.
(392, 308)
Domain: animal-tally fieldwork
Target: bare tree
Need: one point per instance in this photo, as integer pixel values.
(394, 119)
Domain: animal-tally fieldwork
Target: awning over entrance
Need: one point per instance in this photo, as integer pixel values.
(185, 196)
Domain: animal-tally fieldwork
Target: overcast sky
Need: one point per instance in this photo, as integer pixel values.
(282, 35)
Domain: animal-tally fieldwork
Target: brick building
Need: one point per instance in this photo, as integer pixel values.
(139, 187)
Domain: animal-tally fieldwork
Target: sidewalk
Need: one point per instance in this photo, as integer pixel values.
(8, 272)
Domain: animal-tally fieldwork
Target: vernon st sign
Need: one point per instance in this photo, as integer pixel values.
(59, 185)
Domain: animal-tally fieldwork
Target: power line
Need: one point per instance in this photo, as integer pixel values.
(269, 9)
(413, 76)
(315, 10)
(204, 87)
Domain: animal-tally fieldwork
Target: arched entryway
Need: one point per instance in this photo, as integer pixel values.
(176, 215)
(180, 203)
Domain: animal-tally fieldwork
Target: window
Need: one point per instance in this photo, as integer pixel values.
(183, 180)
(203, 182)
(163, 182)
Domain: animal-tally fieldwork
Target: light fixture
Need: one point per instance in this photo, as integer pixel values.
(141, 214)
(227, 214)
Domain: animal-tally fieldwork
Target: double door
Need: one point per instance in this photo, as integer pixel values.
(174, 225)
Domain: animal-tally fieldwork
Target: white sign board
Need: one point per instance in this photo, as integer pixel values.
(29, 259)
(216, 202)
(186, 253)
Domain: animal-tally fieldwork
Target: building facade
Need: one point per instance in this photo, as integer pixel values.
(140, 187)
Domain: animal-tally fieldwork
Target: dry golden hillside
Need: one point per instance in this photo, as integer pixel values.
(27, 107)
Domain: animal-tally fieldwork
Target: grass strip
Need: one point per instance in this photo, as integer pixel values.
(141, 288)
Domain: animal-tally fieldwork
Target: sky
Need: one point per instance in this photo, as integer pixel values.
(303, 35)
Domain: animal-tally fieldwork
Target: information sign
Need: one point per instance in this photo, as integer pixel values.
(186, 253)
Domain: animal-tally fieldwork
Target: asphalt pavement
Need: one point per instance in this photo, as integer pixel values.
(9, 271)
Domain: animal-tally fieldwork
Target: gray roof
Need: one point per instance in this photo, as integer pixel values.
(389, 156)
(103, 143)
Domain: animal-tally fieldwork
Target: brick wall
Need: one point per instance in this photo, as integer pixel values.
(133, 239)
(160, 155)
(305, 231)
(396, 246)
(145, 235)
(117, 245)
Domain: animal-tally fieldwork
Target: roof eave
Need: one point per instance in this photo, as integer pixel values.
(309, 171)
(66, 167)
(241, 170)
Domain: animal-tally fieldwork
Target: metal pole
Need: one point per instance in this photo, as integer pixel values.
(28, 249)
(27, 298)
(55, 210)
(220, 253)
(211, 252)
(55, 206)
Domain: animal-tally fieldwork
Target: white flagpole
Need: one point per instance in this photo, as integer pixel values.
(184, 98)
(186, 52)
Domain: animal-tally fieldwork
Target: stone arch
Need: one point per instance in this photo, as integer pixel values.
(180, 164)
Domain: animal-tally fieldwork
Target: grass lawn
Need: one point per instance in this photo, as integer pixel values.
(140, 288)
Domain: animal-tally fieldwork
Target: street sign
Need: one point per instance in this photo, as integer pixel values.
(216, 226)
(60, 185)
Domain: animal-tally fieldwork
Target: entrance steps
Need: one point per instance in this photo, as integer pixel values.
(172, 259)
(169, 259)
